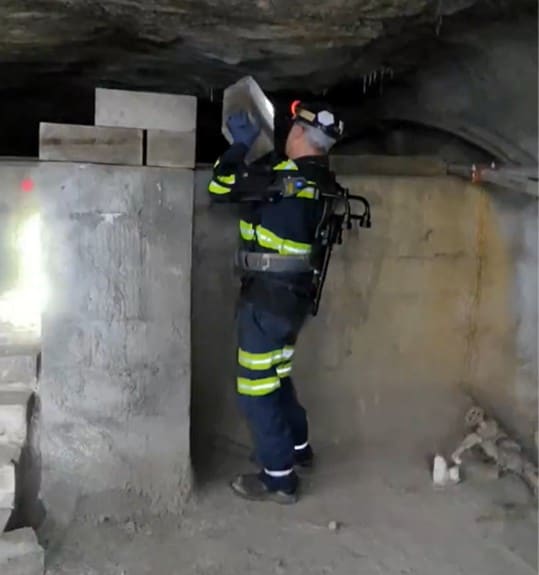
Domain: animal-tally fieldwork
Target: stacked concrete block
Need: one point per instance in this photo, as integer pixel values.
(7, 489)
(18, 383)
(121, 117)
(21, 554)
(93, 144)
(171, 149)
(18, 370)
(170, 121)
(15, 408)
(13, 415)
(146, 110)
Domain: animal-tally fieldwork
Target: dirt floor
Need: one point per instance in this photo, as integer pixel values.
(391, 521)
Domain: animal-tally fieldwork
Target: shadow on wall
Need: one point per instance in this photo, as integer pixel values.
(29, 509)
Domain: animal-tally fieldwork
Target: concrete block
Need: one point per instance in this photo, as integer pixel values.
(66, 143)
(247, 96)
(13, 416)
(15, 341)
(8, 481)
(145, 110)
(21, 554)
(18, 368)
(171, 149)
(7, 485)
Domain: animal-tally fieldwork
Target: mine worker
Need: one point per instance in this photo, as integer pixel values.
(277, 235)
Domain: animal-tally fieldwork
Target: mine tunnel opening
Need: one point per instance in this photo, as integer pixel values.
(434, 306)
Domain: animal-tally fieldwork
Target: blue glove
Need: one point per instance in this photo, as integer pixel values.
(241, 128)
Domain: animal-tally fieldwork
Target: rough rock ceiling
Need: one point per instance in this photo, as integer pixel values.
(200, 45)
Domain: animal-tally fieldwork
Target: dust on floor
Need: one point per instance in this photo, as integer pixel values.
(391, 521)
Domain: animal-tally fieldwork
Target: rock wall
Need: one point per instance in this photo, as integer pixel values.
(485, 84)
(481, 83)
(504, 344)
(132, 44)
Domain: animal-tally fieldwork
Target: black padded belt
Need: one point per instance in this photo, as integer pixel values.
(273, 263)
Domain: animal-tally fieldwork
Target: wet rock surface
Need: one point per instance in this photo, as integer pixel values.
(196, 46)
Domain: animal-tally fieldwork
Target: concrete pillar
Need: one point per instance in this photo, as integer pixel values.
(115, 383)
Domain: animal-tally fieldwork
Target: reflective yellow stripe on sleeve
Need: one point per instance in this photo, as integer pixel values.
(284, 370)
(247, 231)
(309, 192)
(218, 189)
(286, 165)
(267, 239)
(227, 180)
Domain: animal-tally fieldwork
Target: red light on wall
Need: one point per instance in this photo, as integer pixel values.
(27, 185)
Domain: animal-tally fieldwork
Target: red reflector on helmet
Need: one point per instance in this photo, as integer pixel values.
(294, 107)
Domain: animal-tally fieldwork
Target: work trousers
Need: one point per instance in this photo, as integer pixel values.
(267, 397)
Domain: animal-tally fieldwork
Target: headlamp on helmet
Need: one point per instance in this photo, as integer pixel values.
(318, 116)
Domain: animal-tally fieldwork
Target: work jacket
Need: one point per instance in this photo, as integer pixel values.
(286, 226)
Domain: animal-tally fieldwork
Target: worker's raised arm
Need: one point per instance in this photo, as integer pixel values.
(223, 187)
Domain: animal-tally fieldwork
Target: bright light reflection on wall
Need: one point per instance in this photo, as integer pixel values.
(22, 305)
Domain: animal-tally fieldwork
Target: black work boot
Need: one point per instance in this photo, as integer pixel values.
(251, 486)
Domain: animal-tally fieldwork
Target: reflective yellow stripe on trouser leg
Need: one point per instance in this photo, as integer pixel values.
(258, 387)
(284, 370)
(260, 377)
(263, 361)
(263, 370)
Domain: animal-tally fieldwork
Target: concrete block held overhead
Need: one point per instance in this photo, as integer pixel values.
(21, 554)
(13, 416)
(247, 96)
(145, 110)
(98, 145)
(171, 149)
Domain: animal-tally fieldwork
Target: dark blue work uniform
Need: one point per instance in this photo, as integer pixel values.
(273, 306)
